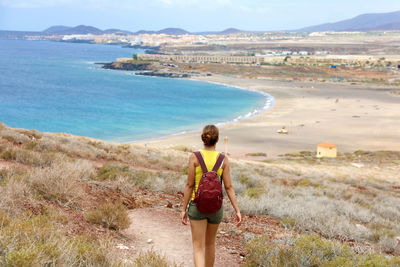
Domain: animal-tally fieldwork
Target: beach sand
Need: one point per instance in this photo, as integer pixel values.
(352, 117)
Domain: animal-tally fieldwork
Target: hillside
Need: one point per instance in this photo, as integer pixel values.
(69, 200)
(365, 22)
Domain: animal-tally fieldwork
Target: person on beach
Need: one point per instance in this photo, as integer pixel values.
(204, 226)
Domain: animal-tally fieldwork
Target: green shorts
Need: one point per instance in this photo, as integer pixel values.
(196, 215)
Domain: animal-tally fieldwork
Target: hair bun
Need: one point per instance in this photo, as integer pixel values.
(210, 135)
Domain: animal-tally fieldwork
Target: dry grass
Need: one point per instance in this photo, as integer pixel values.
(13, 190)
(110, 215)
(35, 241)
(330, 198)
(61, 181)
(310, 250)
(335, 201)
(153, 259)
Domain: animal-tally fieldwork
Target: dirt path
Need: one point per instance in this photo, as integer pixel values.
(169, 236)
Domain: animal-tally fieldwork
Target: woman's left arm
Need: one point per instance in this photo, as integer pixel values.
(188, 188)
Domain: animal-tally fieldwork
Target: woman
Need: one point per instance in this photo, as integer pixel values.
(204, 226)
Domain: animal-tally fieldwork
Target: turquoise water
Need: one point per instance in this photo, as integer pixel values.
(56, 87)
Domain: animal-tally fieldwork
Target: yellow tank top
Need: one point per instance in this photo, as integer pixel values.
(210, 158)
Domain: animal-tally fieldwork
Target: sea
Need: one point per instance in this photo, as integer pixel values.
(57, 87)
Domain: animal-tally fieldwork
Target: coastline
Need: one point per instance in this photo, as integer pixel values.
(269, 103)
(312, 112)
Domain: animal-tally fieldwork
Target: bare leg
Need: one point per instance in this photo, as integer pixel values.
(198, 237)
(210, 244)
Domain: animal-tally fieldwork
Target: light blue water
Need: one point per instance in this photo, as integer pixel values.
(55, 87)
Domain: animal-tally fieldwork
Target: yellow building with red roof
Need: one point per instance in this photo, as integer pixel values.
(326, 150)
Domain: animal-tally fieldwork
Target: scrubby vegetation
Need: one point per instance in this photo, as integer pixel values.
(332, 198)
(109, 215)
(310, 250)
(64, 198)
(152, 258)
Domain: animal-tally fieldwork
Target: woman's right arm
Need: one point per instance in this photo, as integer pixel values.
(226, 177)
(188, 188)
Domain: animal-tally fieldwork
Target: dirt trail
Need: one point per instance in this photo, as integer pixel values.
(169, 236)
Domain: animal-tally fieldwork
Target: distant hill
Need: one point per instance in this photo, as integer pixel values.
(226, 31)
(116, 31)
(173, 31)
(82, 29)
(365, 22)
(145, 32)
(57, 28)
(230, 31)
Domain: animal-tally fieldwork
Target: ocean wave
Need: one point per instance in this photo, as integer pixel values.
(268, 104)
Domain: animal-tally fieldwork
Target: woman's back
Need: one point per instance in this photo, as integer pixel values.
(210, 158)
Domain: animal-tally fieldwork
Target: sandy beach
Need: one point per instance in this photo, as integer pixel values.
(352, 117)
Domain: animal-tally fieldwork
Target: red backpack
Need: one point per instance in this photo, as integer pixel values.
(208, 197)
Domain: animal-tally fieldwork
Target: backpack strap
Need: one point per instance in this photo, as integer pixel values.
(220, 159)
(199, 156)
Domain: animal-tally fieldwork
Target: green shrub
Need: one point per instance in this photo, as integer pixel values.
(88, 251)
(287, 222)
(111, 216)
(152, 259)
(257, 154)
(4, 219)
(110, 171)
(27, 157)
(9, 138)
(185, 170)
(310, 250)
(29, 241)
(254, 192)
(9, 155)
(183, 148)
(35, 241)
(244, 179)
(304, 182)
(380, 234)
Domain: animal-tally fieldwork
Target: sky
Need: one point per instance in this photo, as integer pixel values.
(191, 15)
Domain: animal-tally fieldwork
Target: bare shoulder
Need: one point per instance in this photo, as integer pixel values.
(193, 159)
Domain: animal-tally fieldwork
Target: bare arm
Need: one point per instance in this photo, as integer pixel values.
(188, 188)
(226, 177)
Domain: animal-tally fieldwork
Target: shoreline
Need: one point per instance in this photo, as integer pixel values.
(307, 110)
(268, 105)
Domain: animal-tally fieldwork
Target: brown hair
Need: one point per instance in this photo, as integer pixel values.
(210, 135)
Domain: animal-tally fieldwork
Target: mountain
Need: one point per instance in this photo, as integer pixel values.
(57, 28)
(117, 31)
(82, 29)
(173, 31)
(390, 26)
(145, 32)
(365, 22)
(226, 31)
(230, 31)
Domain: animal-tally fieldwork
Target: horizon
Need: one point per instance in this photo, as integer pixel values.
(192, 16)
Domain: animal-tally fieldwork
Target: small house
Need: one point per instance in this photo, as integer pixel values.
(326, 150)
